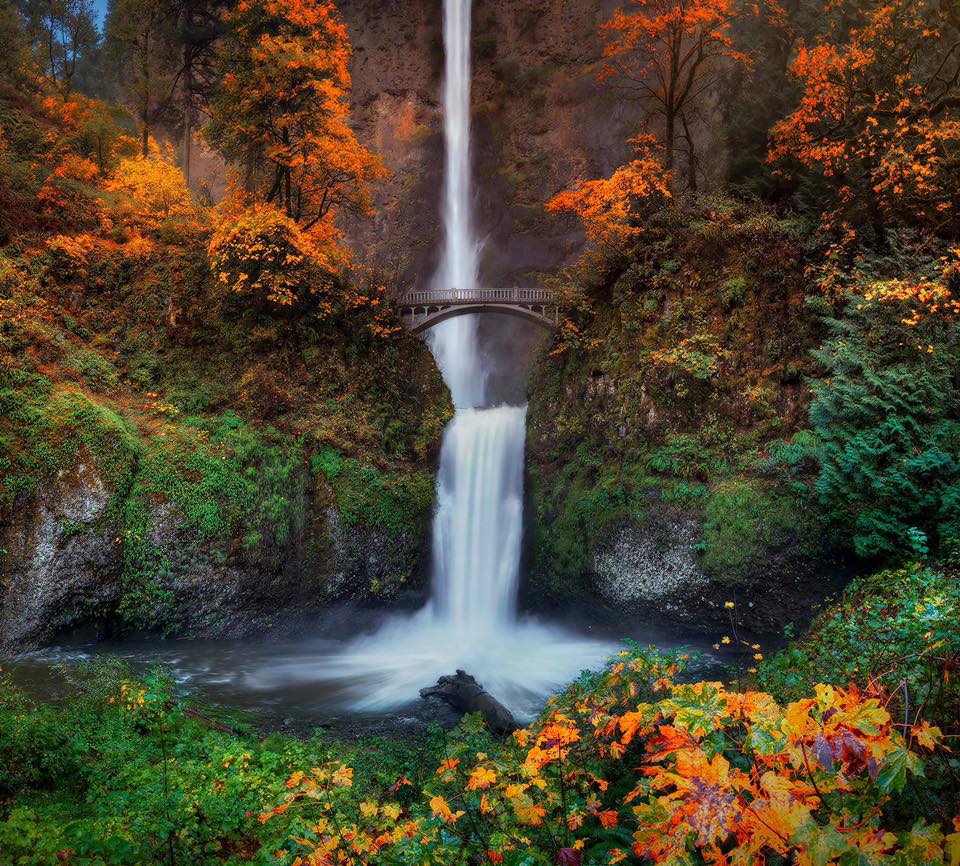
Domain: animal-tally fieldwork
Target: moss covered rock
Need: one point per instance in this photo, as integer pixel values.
(662, 425)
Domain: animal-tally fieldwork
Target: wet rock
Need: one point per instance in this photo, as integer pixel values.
(63, 572)
(466, 695)
(62, 567)
(651, 562)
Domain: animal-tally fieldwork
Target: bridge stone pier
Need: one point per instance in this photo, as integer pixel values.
(421, 310)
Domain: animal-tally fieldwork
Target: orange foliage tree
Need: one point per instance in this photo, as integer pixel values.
(880, 115)
(668, 53)
(282, 114)
(609, 207)
(80, 142)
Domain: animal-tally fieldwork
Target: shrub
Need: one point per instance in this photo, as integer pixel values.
(887, 415)
(732, 292)
(895, 634)
(67, 195)
(263, 254)
(632, 763)
(69, 256)
(153, 187)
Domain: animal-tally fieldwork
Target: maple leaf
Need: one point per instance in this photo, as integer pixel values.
(448, 766)
(927, 735)
(441, 809)
(608, 818)
(481, 779)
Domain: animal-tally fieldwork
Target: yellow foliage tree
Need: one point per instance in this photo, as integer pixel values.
(153, 184)
(261, 252)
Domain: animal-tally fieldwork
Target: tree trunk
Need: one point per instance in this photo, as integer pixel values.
(187, 113)
(670, 119)
(691, 155)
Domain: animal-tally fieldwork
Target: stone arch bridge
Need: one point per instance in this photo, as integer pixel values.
(421, 310)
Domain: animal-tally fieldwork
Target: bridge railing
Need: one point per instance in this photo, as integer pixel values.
(478, 296)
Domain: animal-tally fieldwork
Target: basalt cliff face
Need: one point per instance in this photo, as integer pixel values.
(540, 121)
(629, 501)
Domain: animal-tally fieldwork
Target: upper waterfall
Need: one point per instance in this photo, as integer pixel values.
(454, 342)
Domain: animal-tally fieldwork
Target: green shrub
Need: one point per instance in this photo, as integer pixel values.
(733, 291)
(887, 413)
(895, 634)
(329, 462)
(743, 522)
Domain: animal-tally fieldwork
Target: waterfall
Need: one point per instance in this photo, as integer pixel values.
(470, 621)
(454, 342)
(478, 525)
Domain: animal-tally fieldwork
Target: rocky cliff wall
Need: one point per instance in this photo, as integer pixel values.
(540, 122)
(670, 471)
(71, 568)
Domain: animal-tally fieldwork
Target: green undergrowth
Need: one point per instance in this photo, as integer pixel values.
(204, 425)
(896, 634)
(679, 389)
(367, 496)
(46, 430)
(125, 770)
(112, 780)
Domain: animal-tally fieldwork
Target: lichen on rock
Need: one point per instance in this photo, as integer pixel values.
(650, 563)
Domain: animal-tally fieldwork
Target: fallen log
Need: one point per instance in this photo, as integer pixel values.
(466, 695)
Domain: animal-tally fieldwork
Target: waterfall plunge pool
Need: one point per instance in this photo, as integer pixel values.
(357, 685)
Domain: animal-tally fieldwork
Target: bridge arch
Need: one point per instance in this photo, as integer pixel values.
(422, 310)
(434, 318)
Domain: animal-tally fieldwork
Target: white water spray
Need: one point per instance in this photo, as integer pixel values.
(470, 622)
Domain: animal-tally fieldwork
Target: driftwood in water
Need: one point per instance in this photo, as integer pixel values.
(465, 694)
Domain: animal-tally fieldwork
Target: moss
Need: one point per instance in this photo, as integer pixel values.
(367, 496)
(45, 429)
(743, 522)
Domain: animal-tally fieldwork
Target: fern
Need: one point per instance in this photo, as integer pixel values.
(886, 414)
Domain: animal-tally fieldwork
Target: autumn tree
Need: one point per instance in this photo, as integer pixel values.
(141, 46)
(153, 185)
(879, 117)
(261, 253)
(609, 208)
(668, 54)
(15, 58)
(281, 117)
